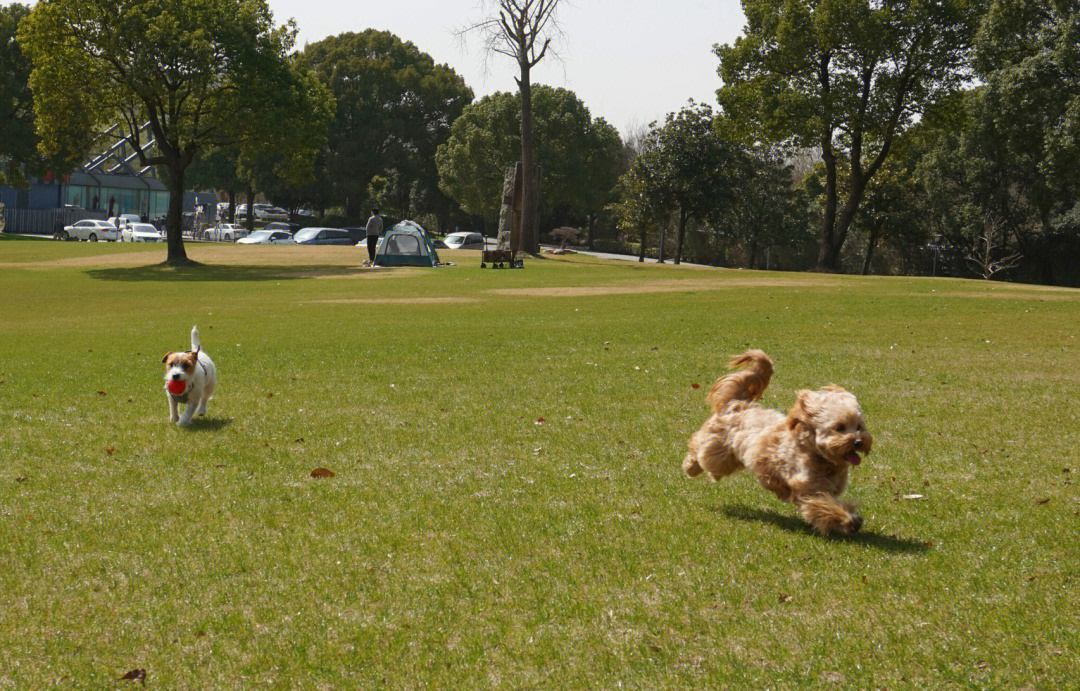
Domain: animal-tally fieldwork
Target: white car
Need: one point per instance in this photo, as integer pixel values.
(91, 230)
(263, 213)
(224, 232)
(464, 241)
(141, 232)
(267, 237)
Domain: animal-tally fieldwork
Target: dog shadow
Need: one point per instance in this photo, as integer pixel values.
(210, 424)
(886, 543)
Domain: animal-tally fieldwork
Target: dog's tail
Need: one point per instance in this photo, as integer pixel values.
(195, 343)
(755, 369)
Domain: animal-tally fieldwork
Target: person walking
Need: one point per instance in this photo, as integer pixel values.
(374, 230)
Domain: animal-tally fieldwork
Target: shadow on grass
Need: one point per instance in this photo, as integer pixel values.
(224, 272)
(209, 424)
(886, 543)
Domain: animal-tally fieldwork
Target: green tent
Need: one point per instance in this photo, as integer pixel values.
(406, 244)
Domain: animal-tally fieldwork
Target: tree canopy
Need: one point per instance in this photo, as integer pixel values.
(19, 157)
(198, 73)
(579, 156)
(395, 106)
(845, 76)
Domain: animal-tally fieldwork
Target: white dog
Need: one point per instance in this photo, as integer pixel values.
(193, 377)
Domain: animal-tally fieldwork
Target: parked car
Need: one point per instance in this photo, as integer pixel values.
(323, 236)
(464, 241)
(91, 230)
(263, 212)
(282, 225)
(123, 219)
(141, 232)
(267, 237)
(224, 232)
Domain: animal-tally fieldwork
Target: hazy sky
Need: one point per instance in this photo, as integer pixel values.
(630, 61)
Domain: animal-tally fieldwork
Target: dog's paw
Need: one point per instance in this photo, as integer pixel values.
(852, 525)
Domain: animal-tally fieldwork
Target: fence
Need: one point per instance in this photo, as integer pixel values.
(43, 222)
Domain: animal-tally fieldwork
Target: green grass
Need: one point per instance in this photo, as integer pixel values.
(463, 545)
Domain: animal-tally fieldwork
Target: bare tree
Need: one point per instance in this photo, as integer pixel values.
(523, 30)
(986, 255)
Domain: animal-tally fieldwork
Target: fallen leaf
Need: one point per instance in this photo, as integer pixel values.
(135, 675)
(102, 393)
(785, 598)
(929, 543)
(321, 473)
(695, 386)
(981, 665)
(110, 450)
(540, 420)
(864, 578)
(654, 648)
(1043, 501)
(912, 496)
(299, 440)
(20, 479)
(200, 634)
(270, 394)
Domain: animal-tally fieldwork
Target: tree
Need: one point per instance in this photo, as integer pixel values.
(395, 106)
(693, 167)
(846, 76)
(200, 73)
(637, 206)
(580, 155)
(523, 30)
(19, 156)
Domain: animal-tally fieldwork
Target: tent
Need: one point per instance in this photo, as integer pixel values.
(406, 244)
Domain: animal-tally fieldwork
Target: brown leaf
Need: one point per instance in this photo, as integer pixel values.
(102, 393)
(200, 634)
(785, 598)
(654, 648)
(270, 394)
(20, 479)
(1043, 501)
(929, 543)
(695, 386)
(299, 440)
(321, 473)
(135, 675)
(110, 450)
(540, 420)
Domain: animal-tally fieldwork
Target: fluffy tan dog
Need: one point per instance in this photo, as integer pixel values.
(802, 457)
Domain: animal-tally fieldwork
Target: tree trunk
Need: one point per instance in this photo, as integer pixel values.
(871, 243)
(232, 206)
(682, 234)
(663, 241)
(828, 257)
(592, 229)
(174, 222)
(250, 223)
(530, 229)
(641, 247)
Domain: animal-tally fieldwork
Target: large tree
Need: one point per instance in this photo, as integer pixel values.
(580, 155)
(19, 157)
(395, 106)
(847, 77)
(198, 73)
(523, 30)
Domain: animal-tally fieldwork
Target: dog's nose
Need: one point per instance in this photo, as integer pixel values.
(858, 442)
(176, 377)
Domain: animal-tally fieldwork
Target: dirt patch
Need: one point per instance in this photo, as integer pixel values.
(1011, 295)
(667, 287)
(395, 301)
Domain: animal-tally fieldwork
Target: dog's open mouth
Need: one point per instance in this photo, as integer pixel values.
(853, 458)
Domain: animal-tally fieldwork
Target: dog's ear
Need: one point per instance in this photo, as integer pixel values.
(166, 358)
(198, 349)
(802, 411)
(833, 388)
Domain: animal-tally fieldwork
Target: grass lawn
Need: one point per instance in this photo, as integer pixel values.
(461, 544)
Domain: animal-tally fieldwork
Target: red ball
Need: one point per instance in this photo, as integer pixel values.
(176, 387)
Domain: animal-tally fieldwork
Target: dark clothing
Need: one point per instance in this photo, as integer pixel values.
(372, 243)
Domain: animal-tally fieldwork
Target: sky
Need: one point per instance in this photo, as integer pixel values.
(630, 61)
